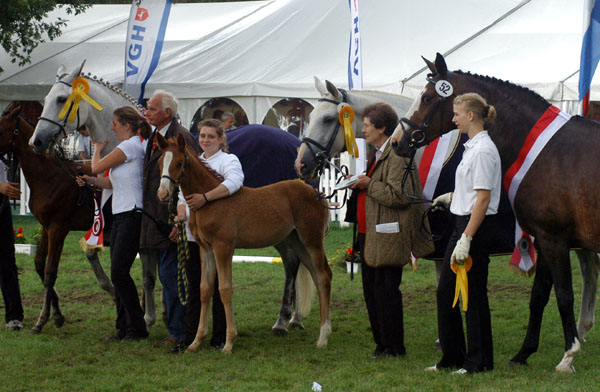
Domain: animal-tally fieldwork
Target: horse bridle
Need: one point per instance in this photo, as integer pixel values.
(59, 125)
(323, 155)
(171, 179)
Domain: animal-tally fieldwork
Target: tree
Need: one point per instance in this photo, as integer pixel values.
(23, 28)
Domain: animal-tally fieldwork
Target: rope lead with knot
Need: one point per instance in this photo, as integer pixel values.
(183, 256)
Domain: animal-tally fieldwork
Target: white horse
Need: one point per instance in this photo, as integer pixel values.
(51, 129)
(322, 129)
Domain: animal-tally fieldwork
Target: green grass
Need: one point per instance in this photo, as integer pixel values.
(75, 357)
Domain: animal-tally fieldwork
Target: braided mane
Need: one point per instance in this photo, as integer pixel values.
(500, 82)
(192, 154)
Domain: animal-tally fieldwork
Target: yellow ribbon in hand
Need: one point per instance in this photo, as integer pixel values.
(346, 116)
(462, 283)
(80, 89)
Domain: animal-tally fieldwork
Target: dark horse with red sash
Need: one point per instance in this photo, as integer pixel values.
(558, 198)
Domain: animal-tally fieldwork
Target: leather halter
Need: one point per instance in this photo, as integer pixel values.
(59, 125)
(418, 136)
(323, 154)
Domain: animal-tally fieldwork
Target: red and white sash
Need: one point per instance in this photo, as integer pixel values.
(94, 238)
(548, 124)
(432, 163)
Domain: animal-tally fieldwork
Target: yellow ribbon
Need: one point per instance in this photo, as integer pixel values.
(80, 88)
(462, 283)
(346, 116)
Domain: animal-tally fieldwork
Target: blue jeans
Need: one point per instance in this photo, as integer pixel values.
(167, 273)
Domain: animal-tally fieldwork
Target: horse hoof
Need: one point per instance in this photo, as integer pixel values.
(564, 369)
(321, 344)
(193, 347)
(227, 350)
(149, 322)
(296, 324)
(279, 331)
(36, 329)
(59, 321)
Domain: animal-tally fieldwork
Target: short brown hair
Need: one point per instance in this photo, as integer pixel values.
(382, 115)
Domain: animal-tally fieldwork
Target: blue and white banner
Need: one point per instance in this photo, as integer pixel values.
(145, 33)
(354, 58)
(590, 51)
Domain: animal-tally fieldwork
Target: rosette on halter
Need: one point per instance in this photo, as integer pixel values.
(80, 88)
(462, 283)
(346, 116)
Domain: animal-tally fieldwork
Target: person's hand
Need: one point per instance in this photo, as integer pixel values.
(442, 201)
(195, 201)
(10, 189)
(173, 234)
(362, 183)
(460, 254)
(99, 146)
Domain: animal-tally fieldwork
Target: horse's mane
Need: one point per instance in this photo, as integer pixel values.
(193, 156)
(501, 82)
(112, 87)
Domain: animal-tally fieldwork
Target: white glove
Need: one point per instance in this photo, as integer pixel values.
(461, 250)
(442, 201)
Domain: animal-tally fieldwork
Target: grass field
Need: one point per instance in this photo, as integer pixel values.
(76, 357)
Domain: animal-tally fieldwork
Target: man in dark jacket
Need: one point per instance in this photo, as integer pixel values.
(154, 245)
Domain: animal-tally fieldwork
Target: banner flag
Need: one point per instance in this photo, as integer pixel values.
(145, 34)
(354, 57)
(590, 51)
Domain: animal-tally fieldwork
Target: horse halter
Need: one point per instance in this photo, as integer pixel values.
(59, 125)
(324, 153)
(418, 136)
(171, 179)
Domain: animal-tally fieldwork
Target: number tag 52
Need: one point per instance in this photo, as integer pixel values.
(444, 88)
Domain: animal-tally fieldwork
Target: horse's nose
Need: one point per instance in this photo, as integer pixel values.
(162, 193)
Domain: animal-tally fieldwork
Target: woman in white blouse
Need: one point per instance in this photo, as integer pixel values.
(126, 164)
(213, 141)
(473, 204)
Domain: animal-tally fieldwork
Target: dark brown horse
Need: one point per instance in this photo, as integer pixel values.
(286, 214)
(54, 203)
(557, 202)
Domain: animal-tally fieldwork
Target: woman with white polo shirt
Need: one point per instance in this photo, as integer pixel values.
(473, 204)
(213, 141)
(126, 163)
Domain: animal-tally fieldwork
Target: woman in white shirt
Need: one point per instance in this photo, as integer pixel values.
(126, 164)
(213, 141)
(473, 204)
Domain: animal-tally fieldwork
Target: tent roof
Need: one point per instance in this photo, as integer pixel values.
(274, 48)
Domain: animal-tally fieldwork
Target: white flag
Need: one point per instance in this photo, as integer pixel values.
(145, 33)
(354, 58)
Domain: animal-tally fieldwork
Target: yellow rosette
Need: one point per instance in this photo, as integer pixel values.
(346, 116)
(80, 88)
(462, 283)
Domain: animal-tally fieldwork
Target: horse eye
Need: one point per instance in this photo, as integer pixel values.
(328, 119)
(426, 99)
(61, 99)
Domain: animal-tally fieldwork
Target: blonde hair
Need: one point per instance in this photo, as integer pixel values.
(478, 105)
(216, 124)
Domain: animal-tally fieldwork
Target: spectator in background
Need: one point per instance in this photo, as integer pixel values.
(228, 121)
(83, 143)
(9, 279)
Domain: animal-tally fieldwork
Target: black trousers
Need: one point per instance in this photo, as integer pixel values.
(192, 309)
(124, 246)
(9, 279)
(381, 288)
(478, 355)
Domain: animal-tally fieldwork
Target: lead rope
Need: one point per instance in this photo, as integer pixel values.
(183, 251)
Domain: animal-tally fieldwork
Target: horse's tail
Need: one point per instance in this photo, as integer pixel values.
(305, 290)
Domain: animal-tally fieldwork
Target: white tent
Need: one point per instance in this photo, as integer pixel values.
(257, 53)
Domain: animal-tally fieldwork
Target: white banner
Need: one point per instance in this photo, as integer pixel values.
(354, 58)
(145, 33)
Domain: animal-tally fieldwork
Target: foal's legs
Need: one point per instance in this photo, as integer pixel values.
(223, 260)
(54, 239)
(149, 259)
(589, 265)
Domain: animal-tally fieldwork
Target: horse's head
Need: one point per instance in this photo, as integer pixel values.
(323, 137)
(51, 128)
(9, 124)
(431, 114)
(172, 164)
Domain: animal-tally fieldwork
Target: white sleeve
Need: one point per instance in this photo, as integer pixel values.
(181, 198)
(233, 174)
(483, 171)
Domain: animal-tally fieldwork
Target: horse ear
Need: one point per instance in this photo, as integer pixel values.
(440, 65)
(181, 142)
(76, 72)
(430, 65)
(320, 86)
(61, 71)
(81, 68)
(333, 90)
(162, 142)
(16, 111)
